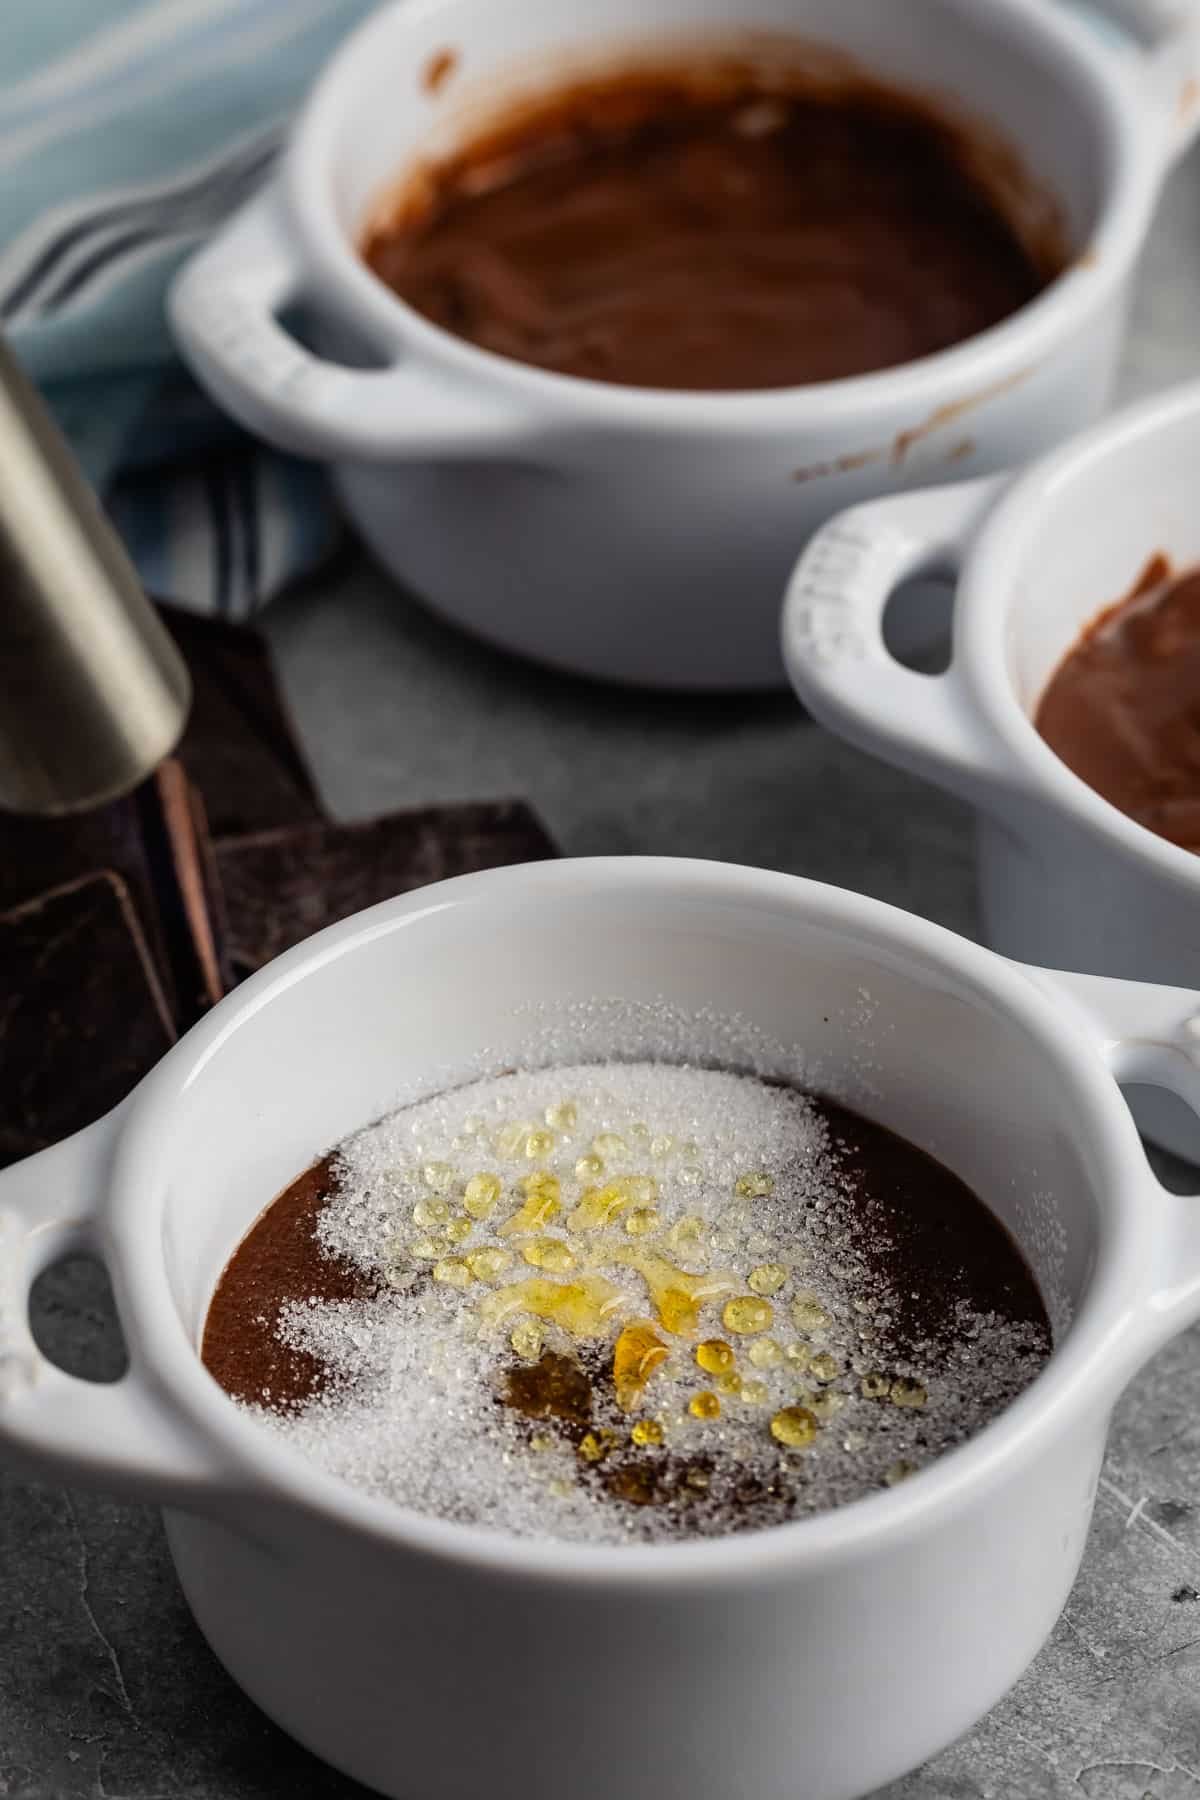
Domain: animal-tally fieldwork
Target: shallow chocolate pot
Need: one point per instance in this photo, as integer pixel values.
(640, 535)
(1065, 879)
(433, 1660)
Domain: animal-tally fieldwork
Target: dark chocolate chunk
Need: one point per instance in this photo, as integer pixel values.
(281, 886)
(82, 1014)
(39, 854)
(240, 753)
(155, 841)
(239, 748)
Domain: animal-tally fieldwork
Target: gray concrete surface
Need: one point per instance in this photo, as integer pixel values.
(106, 1690)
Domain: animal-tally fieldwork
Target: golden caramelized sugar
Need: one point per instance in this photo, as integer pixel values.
(715, 1356)
(543, 1203)
(639, 1351)
(710, 1303)
(747, 1315)
(582, 1308)
(678, 1295)
(794, 1427)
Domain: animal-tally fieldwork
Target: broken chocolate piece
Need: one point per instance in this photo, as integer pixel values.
(239, 748)
(281, 886)
(82, 1014)
(39, 854)
(240, 752)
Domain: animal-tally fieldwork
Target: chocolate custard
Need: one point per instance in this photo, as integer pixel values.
(708, 229)
(1123, 709)
(633, 1301)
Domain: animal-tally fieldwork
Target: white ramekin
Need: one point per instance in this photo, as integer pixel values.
(822, 1657)
(634, 534)
(1065, 879)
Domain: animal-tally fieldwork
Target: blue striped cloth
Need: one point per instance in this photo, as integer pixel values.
(128, 130)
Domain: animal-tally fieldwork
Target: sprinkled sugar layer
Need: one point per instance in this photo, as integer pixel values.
(636, 1302)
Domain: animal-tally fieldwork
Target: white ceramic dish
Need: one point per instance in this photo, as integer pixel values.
(1065, 879)
(430, 1659)
(634, 534)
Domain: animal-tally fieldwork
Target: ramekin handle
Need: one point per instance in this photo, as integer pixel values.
(833, 642)
(1167, 33)
(223, 308)
(116, 1435)
(1150, 1036)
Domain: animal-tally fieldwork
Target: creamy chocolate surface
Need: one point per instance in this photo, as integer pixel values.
(1123, 709)
(937, 1267)
(671, 231)
(278, 1261)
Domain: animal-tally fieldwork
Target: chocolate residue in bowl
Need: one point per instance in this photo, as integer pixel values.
(440, 69)
(1123, 708)
(718, 227)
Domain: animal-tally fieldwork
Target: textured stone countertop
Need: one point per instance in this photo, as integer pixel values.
(106, 1689)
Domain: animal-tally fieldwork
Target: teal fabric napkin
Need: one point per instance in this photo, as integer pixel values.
(129, 129)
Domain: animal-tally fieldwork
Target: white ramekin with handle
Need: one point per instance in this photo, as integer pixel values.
(820, 1658)
(641, 535)
(1065, 879)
